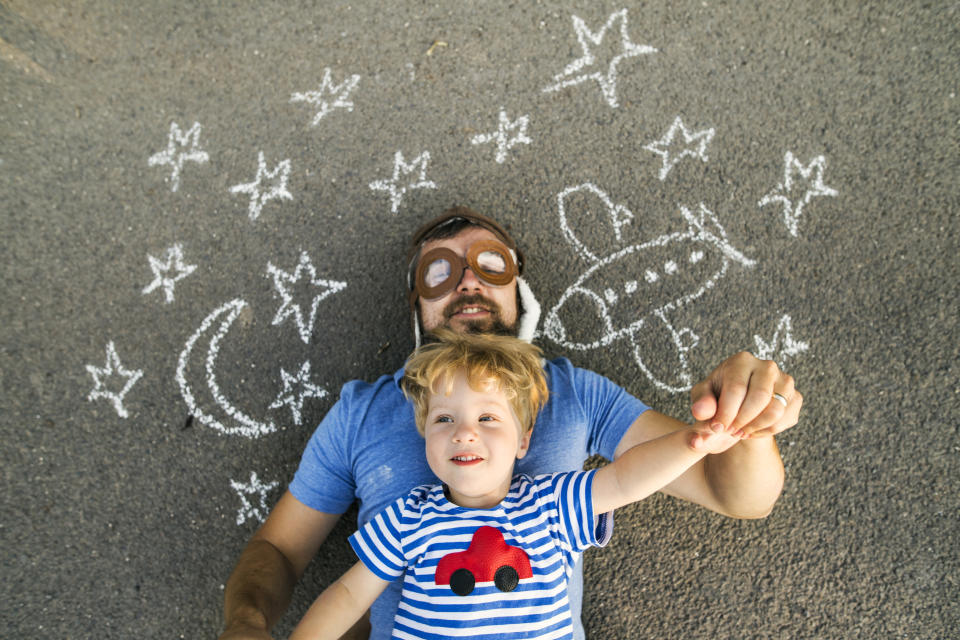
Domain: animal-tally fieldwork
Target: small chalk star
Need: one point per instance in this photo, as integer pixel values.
(788, 193)
(103, 377)
(782, 345)
(502, 135)
(588, 67)
(400, 172)
(260, 196)
(662, 146)
(296, 389)
(181, 147)
(306, 273)
(171, 263)
(329, 96)
(253, 490)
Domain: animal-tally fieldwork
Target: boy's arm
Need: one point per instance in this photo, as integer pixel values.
(340, 605)
(649, 466)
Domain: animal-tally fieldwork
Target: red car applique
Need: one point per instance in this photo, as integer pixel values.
(488, 558)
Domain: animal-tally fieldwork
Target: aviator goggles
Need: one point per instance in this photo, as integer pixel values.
(440, 270)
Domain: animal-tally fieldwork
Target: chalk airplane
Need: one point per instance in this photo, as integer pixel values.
(619, 294)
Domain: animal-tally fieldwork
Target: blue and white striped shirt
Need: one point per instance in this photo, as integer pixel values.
(550, 518)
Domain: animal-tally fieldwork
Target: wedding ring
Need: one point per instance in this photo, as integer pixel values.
(780, 398)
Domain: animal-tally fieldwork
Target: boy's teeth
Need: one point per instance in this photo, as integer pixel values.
(466, 458)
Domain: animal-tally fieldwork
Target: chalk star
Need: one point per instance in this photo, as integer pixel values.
(506, 127)
(787, 192)
(112, 369)
(281, 280)
(338, 92)
(605, 73)
(782, 345)
(252, 488)
(258, 198)
(400, 170)
(662, 146)
(180, 148)
(295, 390)
(172, 261)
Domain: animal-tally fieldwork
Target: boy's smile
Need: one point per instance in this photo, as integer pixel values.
(472, 440)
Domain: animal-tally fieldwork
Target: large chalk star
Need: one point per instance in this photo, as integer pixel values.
(782, 345)
(295, 390)
(256, 489)
(338, 95)
(112, 369)
(662, 146)
(506, 127)
(788, 193)
(180, 148)
(171, 262)
(588, 67)
(260, 196)
(400, 172)
(283, 281)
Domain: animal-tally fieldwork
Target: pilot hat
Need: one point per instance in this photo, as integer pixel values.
(530, 316)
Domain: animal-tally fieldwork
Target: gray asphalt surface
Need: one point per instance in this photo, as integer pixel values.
(119, 516)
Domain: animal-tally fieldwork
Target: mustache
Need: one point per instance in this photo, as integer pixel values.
(470, 300)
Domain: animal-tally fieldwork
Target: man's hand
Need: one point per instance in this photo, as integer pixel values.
(740, 394)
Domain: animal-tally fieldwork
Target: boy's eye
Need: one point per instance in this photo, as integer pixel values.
(444, 419)
(487, 418)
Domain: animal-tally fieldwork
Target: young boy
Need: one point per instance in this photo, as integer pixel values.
(487, 554)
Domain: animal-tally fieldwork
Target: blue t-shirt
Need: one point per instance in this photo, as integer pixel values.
(367, 448)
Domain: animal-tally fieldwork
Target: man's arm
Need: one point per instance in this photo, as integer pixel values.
(259, 589)
(340, 605)
(744, 481)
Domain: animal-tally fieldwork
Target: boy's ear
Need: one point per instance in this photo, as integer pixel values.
(524, 444)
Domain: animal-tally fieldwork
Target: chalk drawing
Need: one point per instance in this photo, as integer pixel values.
(782, 345)
(260, 196)
(587, 67)
(662, 146)
(232, 421)
(788, 193)
(400, 172)
(329, 96)
(625, 289)
(296, 389)
(284, 281)
(501, 136)
(253, 490)
(171, 263)
(103, 378)
(181, 147)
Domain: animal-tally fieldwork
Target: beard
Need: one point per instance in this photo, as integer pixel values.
(493, 324)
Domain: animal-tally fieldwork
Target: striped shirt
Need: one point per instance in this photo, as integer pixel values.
(550, 518)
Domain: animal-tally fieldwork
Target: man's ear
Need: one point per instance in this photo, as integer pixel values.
(524, 444)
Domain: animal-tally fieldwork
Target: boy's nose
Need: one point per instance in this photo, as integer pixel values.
(466, 432)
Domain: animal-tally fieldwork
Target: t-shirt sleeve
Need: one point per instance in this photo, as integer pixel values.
(324, 480)
(572, 492)
(609, 408)
(379, 543)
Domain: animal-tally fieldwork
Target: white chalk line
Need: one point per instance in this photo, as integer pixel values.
(401, 169)
(319, 98)
(174, 155)
(248, 427)
(111, 367)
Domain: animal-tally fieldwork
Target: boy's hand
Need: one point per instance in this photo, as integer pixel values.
(712, 438)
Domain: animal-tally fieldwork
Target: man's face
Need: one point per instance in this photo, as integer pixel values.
(473, 306)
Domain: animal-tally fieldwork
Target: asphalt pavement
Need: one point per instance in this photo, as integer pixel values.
(204, 210)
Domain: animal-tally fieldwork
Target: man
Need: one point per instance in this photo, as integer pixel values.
(465, 273)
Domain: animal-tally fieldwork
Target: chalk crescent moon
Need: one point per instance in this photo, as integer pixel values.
(240, 423)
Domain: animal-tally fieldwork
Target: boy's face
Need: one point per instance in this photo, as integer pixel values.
(472, 439)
